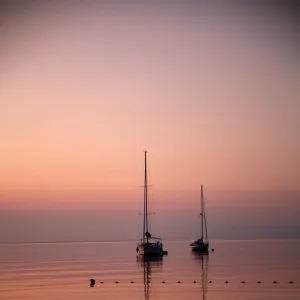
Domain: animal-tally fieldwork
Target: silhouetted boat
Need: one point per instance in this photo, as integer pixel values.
(202, 244)
(149, 246)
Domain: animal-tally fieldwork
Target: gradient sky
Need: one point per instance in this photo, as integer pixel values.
(210, 89)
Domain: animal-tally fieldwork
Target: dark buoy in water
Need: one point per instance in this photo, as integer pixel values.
(92, 282)
(291, 281)
(258, 281)
(212, 250)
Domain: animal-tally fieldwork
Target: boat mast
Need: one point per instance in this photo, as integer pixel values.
(202, 227)
(145, 201)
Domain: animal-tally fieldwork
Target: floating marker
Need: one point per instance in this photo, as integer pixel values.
(92, 282)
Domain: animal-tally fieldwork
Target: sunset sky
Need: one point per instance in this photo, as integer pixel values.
(210, 89)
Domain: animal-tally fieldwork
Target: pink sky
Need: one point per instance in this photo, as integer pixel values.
(212, 92)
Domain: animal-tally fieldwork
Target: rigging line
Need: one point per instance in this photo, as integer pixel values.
(149, 214)
(139, 225)
(151, 211)
(150, 198)
(201, 212)
(154, 203)
(205, 223)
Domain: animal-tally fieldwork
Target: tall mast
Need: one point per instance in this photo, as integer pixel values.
(202, 212)
(145, 200)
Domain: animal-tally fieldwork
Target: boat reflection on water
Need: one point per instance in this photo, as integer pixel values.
(203, 258)
(149, 264)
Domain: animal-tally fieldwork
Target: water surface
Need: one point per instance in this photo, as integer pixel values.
(62, 271)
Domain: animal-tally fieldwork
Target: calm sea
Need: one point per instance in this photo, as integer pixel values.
(63, 271)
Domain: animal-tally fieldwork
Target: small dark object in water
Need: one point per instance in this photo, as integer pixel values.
(101, 282)
(148, 281)
(210, 281)
(194, 281)
(258, 281)
(178, 281)
(274, 281)
(163, 282)
(291, 281)
(117, 281)
(212, 250)
(92, 282)
(165, 252)
(243, 282)
(132, 282)
(226, 281)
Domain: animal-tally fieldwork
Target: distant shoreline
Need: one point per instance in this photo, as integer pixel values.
(132, 241)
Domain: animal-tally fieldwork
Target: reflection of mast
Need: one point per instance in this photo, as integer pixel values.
(147, 279)
(147, 264)
(203, 257)
(204, 267)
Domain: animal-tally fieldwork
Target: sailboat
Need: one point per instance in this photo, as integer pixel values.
(202, 244)
(148, 246)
